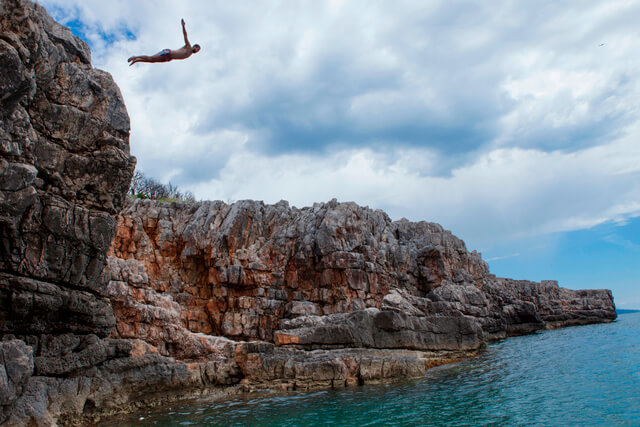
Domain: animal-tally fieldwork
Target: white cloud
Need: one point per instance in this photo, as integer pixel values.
(498, 258)
(504, 194)
(509, 115)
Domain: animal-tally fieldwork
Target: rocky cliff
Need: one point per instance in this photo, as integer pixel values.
(102, 309)
(335, 275)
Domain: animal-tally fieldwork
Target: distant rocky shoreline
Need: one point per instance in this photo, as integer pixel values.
(108, 304)
(620, 311)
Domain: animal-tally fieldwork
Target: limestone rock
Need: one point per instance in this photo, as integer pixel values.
(331, 275)
(16, 368)
(64, 171)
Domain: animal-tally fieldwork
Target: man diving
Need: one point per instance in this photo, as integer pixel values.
(166, 55)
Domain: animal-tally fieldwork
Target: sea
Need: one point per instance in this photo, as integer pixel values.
(577, 376)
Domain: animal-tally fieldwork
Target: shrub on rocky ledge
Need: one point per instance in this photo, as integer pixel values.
(143, 187)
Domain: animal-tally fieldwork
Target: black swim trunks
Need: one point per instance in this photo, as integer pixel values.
(165, 54)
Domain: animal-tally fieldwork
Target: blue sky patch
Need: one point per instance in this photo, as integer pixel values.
(570, 258)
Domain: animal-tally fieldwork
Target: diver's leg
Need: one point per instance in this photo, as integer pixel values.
(163, 56)
(145, 58)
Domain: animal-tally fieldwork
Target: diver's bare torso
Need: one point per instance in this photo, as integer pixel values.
(183, 53)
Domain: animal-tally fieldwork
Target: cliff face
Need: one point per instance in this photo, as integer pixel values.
(329, 276)
(64, 172)
(191, 298)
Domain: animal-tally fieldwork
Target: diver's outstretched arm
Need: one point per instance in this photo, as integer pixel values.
(184, 32)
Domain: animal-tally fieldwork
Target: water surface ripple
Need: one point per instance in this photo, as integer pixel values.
(586, 375)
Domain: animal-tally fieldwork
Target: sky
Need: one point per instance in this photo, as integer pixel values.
(514, 124)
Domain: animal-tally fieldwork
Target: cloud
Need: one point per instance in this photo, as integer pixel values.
(509, 115)
(498, 258)
(504, 194)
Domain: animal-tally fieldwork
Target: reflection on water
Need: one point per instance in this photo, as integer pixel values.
(587, 375)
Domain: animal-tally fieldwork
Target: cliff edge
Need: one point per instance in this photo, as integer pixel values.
(64, 172)
(106, 304)
(314, 280)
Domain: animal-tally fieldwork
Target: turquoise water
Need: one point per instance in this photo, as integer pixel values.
(586, 375)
